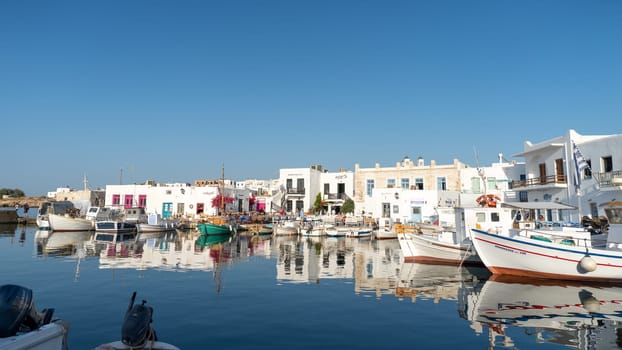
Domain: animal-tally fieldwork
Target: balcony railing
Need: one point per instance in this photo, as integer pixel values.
(539, 181)
(294, 190)
(341, 196)
(608, 179)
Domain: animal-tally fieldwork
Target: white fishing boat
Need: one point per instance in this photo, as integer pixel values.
(115, 226)
(68, 222)
(553, 250)
(575, 315)
(51, 207)
(359, 232)
(451, 244)
(286, 227)
(387, 229)
(155, 223)
(22, 327)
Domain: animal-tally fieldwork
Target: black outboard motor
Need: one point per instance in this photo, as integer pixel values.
(18, 312)
(136, 328)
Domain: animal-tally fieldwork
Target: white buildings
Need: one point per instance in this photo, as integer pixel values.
(552, 173)
(179, 199)
(299, 188)
(410, 190)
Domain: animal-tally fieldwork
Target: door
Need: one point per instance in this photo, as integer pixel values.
(167, 210)
(415, 214)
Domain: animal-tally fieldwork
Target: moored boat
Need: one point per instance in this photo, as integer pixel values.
(67, 222)
(22, 327)
(452, 244)
(553, 251)
(115, 226)
(208, 228)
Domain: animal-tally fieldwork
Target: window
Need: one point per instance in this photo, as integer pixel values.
(326, 189)
(476, 185)
(607, 164)
(491, 183)
(128, 201)
(142, 200)
(494, 217)
(587, 172)
(396, 209)
(441, 183)
(386, 210)
(116, 199)
(390, 183)
(288, 184)
(370, 186)
(300, 184)
(405, 183)
(419, 183)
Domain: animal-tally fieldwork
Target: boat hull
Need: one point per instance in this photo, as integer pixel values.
(428, 249)
(524, 256)
(67, 223)
(49, 336)
(213, 229)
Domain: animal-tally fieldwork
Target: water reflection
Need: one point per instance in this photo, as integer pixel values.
(437, 282)
(575, 315)
(49, 243)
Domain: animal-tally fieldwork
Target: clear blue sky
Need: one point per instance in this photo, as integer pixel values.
(171, 90)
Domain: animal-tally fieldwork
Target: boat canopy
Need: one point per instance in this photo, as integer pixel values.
(537, 205)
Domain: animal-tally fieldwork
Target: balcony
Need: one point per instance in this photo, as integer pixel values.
(335, 196)
(540, 182)
(296, 191)
(609, 180)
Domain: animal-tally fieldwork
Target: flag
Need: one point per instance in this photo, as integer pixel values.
(580, 165)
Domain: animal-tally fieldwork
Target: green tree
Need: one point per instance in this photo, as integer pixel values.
(11, 192)
(348, 206)
(317, 205)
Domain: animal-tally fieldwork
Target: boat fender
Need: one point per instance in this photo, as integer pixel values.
(588, 264)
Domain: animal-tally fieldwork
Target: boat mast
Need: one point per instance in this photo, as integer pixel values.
(222, 191)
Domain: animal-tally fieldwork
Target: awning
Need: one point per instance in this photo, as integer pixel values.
(537, 205)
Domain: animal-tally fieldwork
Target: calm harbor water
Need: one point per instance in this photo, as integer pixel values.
(278, 292)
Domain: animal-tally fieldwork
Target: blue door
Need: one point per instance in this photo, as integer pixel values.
(167, 210)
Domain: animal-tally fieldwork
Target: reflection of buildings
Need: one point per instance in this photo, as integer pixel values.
(179, 251)
(579, 316)
(373, 264)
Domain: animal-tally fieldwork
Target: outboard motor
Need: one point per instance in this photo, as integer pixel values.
(18, 312)
(136, 328)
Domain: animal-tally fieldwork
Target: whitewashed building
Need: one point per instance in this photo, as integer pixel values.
(554, 173)
(178, 199)
(299, 187)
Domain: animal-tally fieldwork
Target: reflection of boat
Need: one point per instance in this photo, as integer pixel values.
(210, 240)
(552, 251)
(65, 243)
(430, 281)
(573, 314)
(23, 327)
(67, 222)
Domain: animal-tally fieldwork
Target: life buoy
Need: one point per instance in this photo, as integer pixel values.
(191, 206)
(488, 200)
